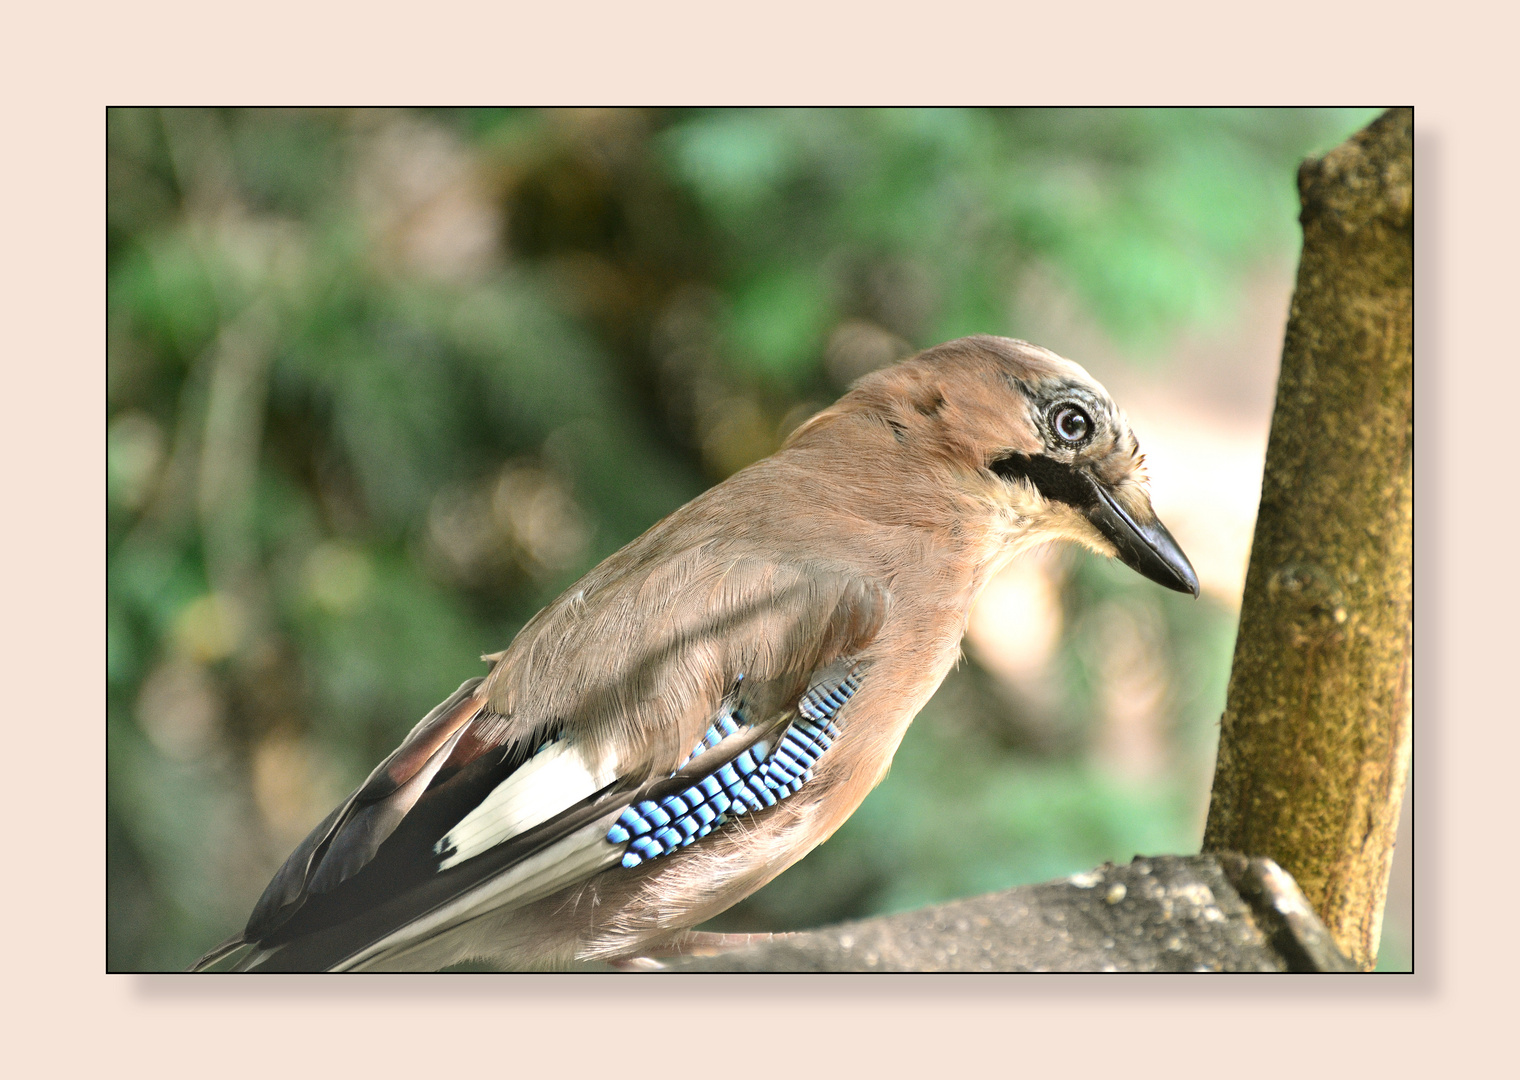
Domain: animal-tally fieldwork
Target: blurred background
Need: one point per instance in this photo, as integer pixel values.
(382, 383)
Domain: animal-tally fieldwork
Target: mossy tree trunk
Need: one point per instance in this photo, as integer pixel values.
(1314, 747)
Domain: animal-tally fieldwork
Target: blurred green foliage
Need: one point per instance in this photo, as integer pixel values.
(382, 383)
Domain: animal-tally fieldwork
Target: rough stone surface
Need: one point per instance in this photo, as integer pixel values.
(1165, 913)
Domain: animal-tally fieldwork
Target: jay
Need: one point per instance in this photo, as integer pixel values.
(714, 700)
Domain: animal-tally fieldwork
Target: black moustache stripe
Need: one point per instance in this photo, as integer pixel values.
(1056, 481)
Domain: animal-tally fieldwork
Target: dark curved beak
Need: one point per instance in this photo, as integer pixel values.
(1148, 549)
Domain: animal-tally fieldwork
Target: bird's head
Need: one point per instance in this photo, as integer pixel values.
(1032, 440)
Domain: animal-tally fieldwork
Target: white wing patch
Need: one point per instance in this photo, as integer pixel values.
(573, 858)
(552, 780)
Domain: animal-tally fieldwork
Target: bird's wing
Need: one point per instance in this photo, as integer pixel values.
(645, 708)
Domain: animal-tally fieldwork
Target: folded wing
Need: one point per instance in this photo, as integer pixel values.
(636, 715)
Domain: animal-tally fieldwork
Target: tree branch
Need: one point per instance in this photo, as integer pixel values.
(1314, 746)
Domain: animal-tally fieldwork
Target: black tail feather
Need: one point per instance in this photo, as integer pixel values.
(226, 948)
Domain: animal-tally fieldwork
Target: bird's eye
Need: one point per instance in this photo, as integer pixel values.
(1071, 424)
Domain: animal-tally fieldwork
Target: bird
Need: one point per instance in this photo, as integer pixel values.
(712, 701)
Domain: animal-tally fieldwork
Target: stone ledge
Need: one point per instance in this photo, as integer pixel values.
(1220, 912)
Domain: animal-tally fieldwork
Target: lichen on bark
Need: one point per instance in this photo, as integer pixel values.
(1315, 738)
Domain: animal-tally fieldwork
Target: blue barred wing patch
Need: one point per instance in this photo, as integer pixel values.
(721, 729)
(758, 777)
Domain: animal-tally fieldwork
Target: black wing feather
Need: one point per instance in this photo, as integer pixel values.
(357, 841)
